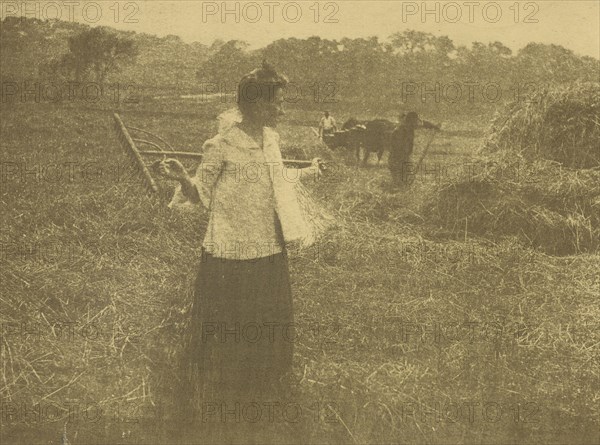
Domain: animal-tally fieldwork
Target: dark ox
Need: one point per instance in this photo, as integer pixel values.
(373, 136)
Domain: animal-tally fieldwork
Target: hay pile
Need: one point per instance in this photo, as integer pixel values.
(533, 185)
(299, 142)
(560, 124)
(545, 205)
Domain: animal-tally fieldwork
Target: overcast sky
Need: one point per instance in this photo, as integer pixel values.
(572, 24)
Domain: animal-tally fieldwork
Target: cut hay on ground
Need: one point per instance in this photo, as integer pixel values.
(97, 286)
(543, 204)
(298, 142)
(541, 182)
(558, 124)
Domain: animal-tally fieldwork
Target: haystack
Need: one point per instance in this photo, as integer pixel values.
(299, 142)
(541, 182)
(560, 124)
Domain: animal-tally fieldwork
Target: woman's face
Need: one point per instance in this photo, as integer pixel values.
(267, 110)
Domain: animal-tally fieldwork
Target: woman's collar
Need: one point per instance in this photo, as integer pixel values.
(239, 138)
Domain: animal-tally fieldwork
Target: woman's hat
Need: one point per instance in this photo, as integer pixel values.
(259, 84)
(266, 74)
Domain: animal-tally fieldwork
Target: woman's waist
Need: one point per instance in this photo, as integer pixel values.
(241, 249)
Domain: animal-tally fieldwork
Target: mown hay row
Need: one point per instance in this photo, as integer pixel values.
(560, 124)
(542, 203)
(540, 180)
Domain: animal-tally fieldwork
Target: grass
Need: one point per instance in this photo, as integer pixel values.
(398, 323)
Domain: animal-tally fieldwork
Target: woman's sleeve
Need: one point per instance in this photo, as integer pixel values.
(206, 175)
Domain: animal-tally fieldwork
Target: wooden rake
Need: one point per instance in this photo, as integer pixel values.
(422, 157)
(128, 144)
(137, 156)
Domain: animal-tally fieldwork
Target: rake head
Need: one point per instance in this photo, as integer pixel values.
(136, 158)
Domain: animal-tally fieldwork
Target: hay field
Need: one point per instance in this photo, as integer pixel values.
(408, 332)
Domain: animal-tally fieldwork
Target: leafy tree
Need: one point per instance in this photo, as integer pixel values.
(500, 49)
(216, 44)
(410, 42)
(442, 45)
(98, 51)
(228, 64)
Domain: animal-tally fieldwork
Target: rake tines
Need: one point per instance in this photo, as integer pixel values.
(129, 145)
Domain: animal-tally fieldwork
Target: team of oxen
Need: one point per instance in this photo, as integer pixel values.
(373, 136)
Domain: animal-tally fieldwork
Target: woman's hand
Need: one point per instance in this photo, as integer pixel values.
(317, 166)
(172, 169)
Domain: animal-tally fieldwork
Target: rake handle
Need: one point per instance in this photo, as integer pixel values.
(420, 161)
(191, 155)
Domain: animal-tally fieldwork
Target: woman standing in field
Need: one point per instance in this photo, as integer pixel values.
(241, 341)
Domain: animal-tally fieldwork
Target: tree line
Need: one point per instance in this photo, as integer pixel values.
(410, 67)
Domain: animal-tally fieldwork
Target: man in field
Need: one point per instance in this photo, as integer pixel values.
(327, 125)
(402, 144)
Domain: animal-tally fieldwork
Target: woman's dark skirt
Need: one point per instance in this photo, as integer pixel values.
(241, 334)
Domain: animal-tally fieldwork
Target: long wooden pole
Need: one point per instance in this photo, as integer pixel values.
(175, 154)
(191, 155)
(420, 161)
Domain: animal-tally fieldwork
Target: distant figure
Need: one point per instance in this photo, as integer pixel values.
(327, 125)
(402, 142)
(421, 123)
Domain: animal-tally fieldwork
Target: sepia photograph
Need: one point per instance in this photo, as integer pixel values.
(299, 222)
